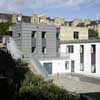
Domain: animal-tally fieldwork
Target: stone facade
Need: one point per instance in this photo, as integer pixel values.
(59, 21)
(67, 33)
(75, 22)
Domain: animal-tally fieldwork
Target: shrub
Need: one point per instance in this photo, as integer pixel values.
(33, 87)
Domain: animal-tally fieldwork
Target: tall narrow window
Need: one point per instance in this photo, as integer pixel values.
(33, 49)
(76, 35)
(66, 65)
(43, 42)
(43, 35)
(33, 34)
(93, 58)
(81, 57)
(57, 42)
(57, 35)
(44, 50)
(33, 41)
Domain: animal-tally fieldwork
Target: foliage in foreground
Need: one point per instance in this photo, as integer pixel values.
(4, 28)
(33, 87)
(93, 34)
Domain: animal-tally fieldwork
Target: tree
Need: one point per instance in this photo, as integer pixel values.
(81, 25)
(7, 75)
(4, 28)
(93, 34)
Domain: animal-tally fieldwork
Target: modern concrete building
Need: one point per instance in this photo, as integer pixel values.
(84, 56)
(40, 40)
(64, 56)
(61, 49)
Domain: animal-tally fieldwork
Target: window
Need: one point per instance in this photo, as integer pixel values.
(18, 34)
(66, 64)
(33, 49)
(33, 34)
(57, 35)
(81, 48)
(33, 41)
(70, 49)
(48, 67)
(93, 48)
(43, 35)
(93, 58)
(81, 57)
(76, 35)
(43, 50)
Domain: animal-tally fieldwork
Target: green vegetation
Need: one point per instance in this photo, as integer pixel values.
(4, 28)
(81, 25)
(33, 87)
(93, 34)
(27, 86)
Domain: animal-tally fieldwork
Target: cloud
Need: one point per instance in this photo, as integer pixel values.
(20, 5)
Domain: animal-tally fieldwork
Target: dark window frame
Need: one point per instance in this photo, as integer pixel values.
(70, 48)
(43, 35)
(76, 35)
(43, 50)
(46, 67)
(93, 58)
(66, 65)
(82, 57)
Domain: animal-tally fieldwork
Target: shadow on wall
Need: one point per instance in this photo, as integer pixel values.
(7, 71)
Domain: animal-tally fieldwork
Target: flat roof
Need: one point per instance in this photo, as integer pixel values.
(80, 41)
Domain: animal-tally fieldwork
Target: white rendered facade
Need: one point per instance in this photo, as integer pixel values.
(74, 65)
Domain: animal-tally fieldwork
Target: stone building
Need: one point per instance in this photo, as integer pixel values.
(14, 18)
(73, 33)
(35, 18)
(59, 21)
(76, 21)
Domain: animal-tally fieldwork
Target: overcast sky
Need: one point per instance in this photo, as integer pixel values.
(70, 9)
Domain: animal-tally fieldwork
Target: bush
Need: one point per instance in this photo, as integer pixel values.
(33, 87)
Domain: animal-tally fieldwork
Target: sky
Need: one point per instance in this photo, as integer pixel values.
(70, 9)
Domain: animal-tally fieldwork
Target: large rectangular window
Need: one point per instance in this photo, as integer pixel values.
(93, 58)
(81, 57)
(76, 35)
(48, 67)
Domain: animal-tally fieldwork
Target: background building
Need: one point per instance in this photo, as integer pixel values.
(73, 33)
